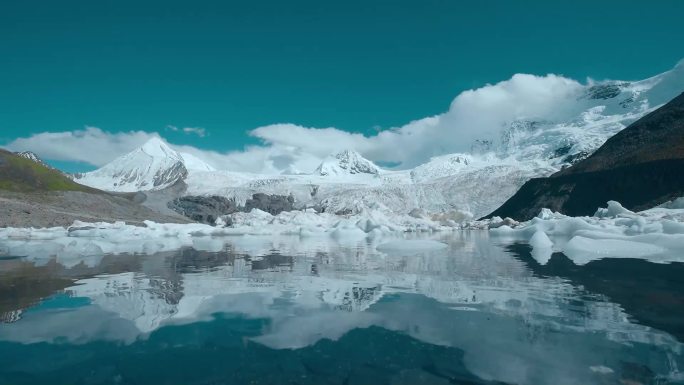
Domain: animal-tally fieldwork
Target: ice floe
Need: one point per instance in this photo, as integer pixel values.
(94, 240)
(612, 232)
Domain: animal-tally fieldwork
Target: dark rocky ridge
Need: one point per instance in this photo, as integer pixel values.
(272, 204)
(203, 209)
(207, 209)
(642, 166)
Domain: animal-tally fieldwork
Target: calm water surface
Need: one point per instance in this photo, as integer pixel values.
(289, 311)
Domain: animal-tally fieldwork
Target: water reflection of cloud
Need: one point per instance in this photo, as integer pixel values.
(327, 291)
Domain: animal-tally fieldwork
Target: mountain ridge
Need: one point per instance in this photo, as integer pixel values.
(475, 182)
(346, 162)
(641, 167)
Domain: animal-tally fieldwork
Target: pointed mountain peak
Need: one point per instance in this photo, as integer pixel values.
(152, 166)
(348, 154)
(157, 147)
(347, 162)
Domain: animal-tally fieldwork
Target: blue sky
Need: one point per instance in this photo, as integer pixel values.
(360, 66)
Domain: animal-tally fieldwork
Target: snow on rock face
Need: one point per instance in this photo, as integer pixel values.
(153, 166)
(441, 166)
(614, 232)
(347, 162)
(31, 156)
(193, 163)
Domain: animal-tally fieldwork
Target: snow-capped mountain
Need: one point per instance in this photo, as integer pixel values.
(153, 166)
(599, 111)
(347, 162)
(476, 182)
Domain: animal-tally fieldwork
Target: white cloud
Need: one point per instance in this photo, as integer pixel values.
(474, 114)
(90, 145)
(199, 131)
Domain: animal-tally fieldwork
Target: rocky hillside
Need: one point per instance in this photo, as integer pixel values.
(641, 166)
(657, 136)
(23, 173)
(35, 195)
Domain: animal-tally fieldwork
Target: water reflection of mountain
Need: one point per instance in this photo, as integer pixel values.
(474, 297)
(651, 293)
(24, 283)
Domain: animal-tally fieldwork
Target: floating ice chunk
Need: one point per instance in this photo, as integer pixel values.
(615, 232)
(613, 210)
(347, 229)
(540, 240)
(583, 250)
(542, 247)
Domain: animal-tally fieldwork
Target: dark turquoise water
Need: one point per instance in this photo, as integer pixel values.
(286, 311)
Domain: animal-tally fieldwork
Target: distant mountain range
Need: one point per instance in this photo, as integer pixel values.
(473, 183)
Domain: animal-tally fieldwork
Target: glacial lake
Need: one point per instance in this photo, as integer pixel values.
(285, 310)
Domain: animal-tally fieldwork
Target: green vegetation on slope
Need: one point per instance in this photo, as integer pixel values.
(24, 175)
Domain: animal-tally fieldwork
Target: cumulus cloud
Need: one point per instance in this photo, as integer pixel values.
(475, 114)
